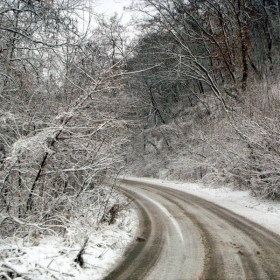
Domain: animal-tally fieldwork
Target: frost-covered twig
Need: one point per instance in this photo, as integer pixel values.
(54, 270)
(24, 223)
(5, 275)
(17, 270)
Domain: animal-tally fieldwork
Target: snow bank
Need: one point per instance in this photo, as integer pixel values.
(53, 257)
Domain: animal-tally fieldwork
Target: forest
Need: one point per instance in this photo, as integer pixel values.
(193, 95)
(210, 96)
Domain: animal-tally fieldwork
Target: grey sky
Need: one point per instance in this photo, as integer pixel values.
(109, 7)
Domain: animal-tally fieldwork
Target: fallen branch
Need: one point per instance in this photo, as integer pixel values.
(5, 275)
(13, 268)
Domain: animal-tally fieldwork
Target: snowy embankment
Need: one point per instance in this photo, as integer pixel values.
(51, 257)
(261, 211)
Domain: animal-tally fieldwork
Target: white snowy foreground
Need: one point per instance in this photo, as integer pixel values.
(44, 258)
(53, 258)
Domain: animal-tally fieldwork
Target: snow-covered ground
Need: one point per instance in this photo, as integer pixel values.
(53, 257)
(258, 210)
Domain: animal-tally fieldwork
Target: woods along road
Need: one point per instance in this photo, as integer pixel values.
(185, 237)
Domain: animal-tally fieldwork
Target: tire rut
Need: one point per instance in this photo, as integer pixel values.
(139, 258)
(263, 261)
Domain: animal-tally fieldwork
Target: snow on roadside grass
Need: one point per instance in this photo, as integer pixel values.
(262, 211)
(53, 257)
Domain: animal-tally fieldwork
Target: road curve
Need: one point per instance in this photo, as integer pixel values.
(186, 237)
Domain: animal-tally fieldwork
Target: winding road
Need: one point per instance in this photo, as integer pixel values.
(184, 237)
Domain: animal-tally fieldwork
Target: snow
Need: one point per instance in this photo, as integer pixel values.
(261, 211)
(53, 257)
(32, 144)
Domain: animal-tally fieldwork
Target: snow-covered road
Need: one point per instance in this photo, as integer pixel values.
(187, 237)
(259, 210)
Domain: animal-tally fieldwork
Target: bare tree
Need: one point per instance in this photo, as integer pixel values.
(61, 132)
(204, 56)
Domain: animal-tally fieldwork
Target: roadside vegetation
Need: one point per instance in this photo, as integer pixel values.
(61, 132)
(209, 103)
